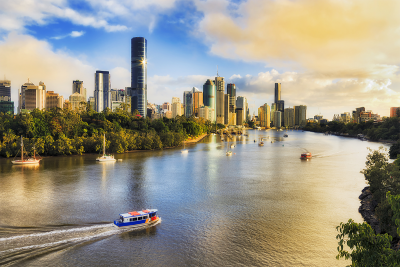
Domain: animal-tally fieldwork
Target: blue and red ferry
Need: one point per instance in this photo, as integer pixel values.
(137, 218)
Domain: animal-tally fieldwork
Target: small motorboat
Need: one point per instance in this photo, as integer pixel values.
(306, 155)
(285, 135)
(229, 153)
(137, 219)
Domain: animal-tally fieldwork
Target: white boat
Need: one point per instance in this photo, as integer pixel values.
(27, 161)
(261, 143)
(228, 152)
(137, 219)
(285, 135)
(105, 157)
(184, 151)
(232, 145)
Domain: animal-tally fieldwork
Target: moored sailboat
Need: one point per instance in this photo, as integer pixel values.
(105, 157)
(26, 161)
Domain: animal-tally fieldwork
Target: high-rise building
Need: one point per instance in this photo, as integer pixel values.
(176, 107)
(273, 109)
(277, 92)
(239, 116)
(280, 106)
(209, 97)
(231, 90)
(138, 90)
(92, 102)
(5, 90)
(277, 119)
(289, 117)
(394, 111)
(241, 102)
(300, 115)
(54, 100)
(6, 105)
(264, 116)
(220, 87)
(102, 90)
(197, 101)
(77, 87)
(76, 100)
(358, 114)
(188, 103)
(226, 109)
(35, 96)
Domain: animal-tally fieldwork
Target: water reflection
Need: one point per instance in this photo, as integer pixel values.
(263, 206)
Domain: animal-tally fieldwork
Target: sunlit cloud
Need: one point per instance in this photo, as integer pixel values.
(337, 39)
(28, 57)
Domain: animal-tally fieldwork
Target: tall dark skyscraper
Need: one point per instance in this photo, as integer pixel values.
(231, 88)
(138, 90)
(277, 92)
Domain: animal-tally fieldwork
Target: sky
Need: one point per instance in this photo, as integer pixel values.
(331, 55)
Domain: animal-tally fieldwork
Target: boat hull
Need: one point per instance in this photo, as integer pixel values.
(137, 224)
(25, 162)
(107, 158)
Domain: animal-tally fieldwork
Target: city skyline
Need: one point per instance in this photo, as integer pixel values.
(332, 65)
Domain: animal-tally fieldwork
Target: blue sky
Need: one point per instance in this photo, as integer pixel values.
(332, 56)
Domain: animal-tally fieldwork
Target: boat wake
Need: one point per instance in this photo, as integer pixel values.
(16, 249)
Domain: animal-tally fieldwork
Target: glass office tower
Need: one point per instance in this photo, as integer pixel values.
(139, 75)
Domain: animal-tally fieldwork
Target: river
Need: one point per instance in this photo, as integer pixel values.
(262, 206)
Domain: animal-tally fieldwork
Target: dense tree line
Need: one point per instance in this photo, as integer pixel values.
(366, 247)
(65, 132)
(388, 129)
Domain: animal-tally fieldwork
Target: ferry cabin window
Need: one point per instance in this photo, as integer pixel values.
(134, 219)
(139, 218)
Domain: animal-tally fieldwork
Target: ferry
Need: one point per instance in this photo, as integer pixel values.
(306, 155)
(137, 218)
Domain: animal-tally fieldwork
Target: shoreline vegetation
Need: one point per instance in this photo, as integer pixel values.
(58, 132)
(376, 241)
(387, 131)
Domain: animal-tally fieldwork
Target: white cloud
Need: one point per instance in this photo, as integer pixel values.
(17, 14)
(28, 57)
(76, 34)
(73, 34)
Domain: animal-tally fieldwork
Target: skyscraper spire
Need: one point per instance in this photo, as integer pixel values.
(217, 71)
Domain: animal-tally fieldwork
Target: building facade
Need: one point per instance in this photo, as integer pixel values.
(35, 97)
(241, 102)
(231, 90)
(209, 96)
(289, 117)
(220, 88)
(102, 90)
(138, 90)
(5, 90)
(176, 107)
(54, 100)
(277, 92)
(300, 115)
(77, 101)
(77, 87)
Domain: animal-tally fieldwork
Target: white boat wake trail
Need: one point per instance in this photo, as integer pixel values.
(17, 248)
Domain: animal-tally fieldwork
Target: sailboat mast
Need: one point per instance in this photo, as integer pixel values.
(104, 145)
(22, 149)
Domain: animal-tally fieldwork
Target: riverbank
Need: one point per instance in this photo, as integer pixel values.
(195, 140)
(367, 209)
